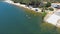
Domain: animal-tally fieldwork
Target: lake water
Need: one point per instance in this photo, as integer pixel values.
(14, 20)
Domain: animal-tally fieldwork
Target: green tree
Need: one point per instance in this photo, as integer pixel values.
(35, 3)
(26, 2)
(48, 4)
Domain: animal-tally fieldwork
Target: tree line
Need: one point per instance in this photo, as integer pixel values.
(28, 2)
(34, 3)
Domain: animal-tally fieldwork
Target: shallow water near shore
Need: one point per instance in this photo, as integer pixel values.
(13, 20)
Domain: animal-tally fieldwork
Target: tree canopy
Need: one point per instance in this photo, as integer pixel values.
(35, 3)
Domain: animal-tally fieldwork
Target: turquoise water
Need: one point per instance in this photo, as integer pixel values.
(13, 20)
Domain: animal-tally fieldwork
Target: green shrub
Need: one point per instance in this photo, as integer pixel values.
(48, 4)
(51, 9)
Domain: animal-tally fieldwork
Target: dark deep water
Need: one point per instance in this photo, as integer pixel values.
(13, 20)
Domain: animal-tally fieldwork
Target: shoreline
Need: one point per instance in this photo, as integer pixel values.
(24, 6)
(30, 8)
